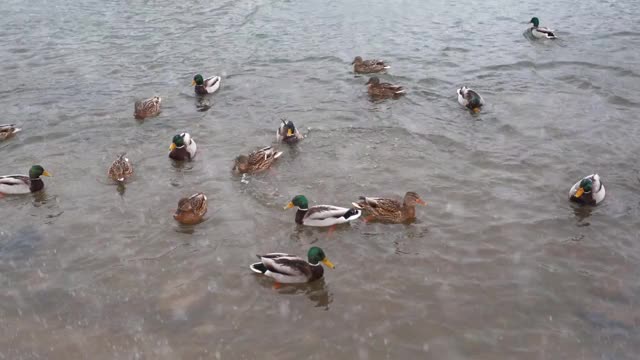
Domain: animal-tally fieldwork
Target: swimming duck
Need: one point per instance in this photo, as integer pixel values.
(377, 89)
(540, 32)
(288, 133)
(321, 215)
(589, 190)
(8, 130)
(23, 184)
(290, 269)
(191, 210)
(205, 86)
(390, 210)
(368, 66)
(147, 108)
(470, 99)
(120, 169)
(182, 147)
(257, 161)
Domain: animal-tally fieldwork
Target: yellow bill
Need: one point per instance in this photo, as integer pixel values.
(289, 132)
(328, 263)
(172, 146)
(289, 205)
(193, 83)
(579, 192)
(476, 110)
(46, 173)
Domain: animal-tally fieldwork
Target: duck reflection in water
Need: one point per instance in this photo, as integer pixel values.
(317, 292)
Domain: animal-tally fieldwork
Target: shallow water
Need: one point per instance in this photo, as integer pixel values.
(499, 265)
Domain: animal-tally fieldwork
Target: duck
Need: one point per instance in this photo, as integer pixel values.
(321, 215)
(291, 269)
(23, 184)
(182, 147)
(121, 169)
(470, 99)
(288, 133)
(589, 190)
(206, 86)
(390, 210)
(8, 130)
(191, 210)
(377, 89)
(143, 109)
(368, 66)
(257, 161)
(540, 32)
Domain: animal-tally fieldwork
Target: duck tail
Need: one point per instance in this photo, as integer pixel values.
(258, 268)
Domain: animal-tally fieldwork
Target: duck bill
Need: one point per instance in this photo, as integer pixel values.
(421, 202)
(289, 205)
(289, 132)
(579, 192)
(193, 83)
(172, 146)
(46, 173)
(328, 263)
(476, 110)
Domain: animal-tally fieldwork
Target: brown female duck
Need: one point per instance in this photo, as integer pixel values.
(379, 90)
(390, 210)
(257, 161)
(147, 108)
(121, 169)
(368, 66)
(8, 130)
(191, 210)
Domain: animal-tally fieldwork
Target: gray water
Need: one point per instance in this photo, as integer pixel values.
(499, 265)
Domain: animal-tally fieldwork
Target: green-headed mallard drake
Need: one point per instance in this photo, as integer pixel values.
(376, 89)
(321, 215)
(368, 66)
(257, 161)
(390, 210)
(290, 269)
(8, 130)
(540, 32)
(589, 190)
(182, 147)
(206, 86)
(288, 133)
(23, 184)
(120, 169)
(191, 210)
(470, 99)
(143, 109)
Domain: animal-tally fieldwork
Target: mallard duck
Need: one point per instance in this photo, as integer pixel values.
(257, 161)
(191, 210)
(368, 66)
(288, 133)
(589, 190)
(390, 210)
(321, 215)
(8, 130)
(120, 169)
(377, 89)
(290, 269)
(183, 147)
(23, 184)
(147, 108)
(206, 86)
(540, 32)
(470, 99)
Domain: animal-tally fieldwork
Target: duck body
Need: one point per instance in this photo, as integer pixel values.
(291, 269)
(206, 86)
(143, 109)
(121, 169)
(191, 210)
(540, 32)
(361, 66)
(23, 184)
(379, 90)
(470, 99)
(390, 210)
(183, 147)
(588, 191)
(321, 215)
(287, 133)
(257, 161)
(8, 130)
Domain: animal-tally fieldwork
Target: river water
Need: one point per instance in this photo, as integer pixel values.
(499, 265)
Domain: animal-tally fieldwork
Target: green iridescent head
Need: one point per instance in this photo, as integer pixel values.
(36, 171)
(300, 201)
(586, 185)
(535, 21)
(316, 255)
(198, 80)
